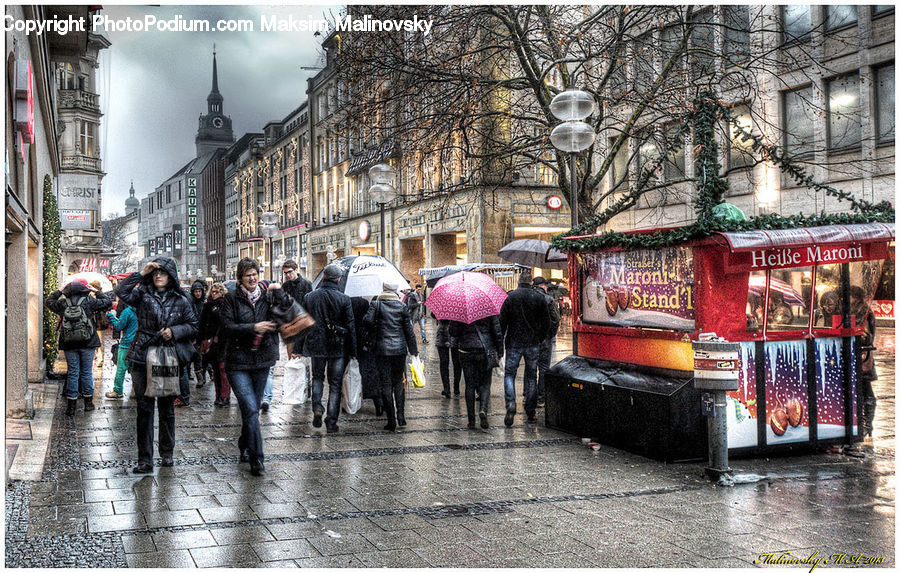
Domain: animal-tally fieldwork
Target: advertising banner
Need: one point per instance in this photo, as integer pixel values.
(644, 288)
(742, 411)
(177, 239)
(787, 392)
(168, 241)
(76, 220)
(77, 191)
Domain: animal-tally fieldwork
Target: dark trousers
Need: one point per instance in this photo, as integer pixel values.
(220, 379)
(867, 395)
(514, 355)
(145, 406)
(371, 381)
(445, 355)
(248, 386)
(390, 375)
(184, 383)
(478, 380)
(335, 367)
(544, 357)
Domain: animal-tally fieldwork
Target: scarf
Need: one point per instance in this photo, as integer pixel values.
(254, 295)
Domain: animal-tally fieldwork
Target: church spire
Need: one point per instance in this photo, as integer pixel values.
(214, 99)
(131, 191)
(215, 87)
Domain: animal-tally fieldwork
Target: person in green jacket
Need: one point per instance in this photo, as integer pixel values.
(128, 324)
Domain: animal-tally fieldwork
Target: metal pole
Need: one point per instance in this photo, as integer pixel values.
(717, 428)
(383, 234)
(573, 204)
(271, 270)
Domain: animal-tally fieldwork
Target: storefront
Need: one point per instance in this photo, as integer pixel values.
(794, 299)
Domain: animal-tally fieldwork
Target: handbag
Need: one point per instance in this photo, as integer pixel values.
(163, 370)
(351, 394)
(300, 323)
(296, 381)
(490, 353)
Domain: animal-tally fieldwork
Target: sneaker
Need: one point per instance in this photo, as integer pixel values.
(179, 402)
(317, 419)
(401, 421)
(114, 395)
(264, 407)
(510, 418)
(484, 420)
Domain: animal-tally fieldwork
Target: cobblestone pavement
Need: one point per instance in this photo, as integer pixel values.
(432, 495)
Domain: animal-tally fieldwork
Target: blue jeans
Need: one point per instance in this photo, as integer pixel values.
(267, 393)
(79, 375)
(248, 386)
(335, 365)
(513, 357)
(422, 327)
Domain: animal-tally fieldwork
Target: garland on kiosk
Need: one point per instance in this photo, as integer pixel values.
(51, 232)
(711, 188)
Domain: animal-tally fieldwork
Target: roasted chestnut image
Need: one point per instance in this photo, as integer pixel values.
(779, 421)
(795, 412)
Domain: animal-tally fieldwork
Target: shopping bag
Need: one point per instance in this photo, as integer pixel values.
(417, 372)
(163, 372)
(351, 395)
(296, 382)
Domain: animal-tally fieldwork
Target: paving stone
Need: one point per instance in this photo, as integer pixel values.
(219, 514)
(401, 539)
(231, 556)
(455, 555)
(345, 544)
(165, 540)
(170, 518)
(396, 558)
(283, 531)
(331, 562)
(180, 558)
(127, 521)
(290, 549)
(195, 502)
(138, 543)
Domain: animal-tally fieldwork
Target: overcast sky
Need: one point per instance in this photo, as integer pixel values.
(153, 87)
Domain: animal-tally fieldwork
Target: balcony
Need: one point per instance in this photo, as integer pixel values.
(81, 162)
(79, 99)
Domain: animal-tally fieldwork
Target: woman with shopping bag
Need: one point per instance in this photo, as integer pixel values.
(167, 326)
(212, 342)
(391, 336)
(251, 351)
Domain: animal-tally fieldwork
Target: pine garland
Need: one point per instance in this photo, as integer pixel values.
(51, 233)
(711, 189)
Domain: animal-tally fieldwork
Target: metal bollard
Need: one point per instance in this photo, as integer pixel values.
(716, 372)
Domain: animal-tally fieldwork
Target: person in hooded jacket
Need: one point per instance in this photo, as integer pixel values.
(79, 355)
(388, 321)
(251, 351)
(212, 342)
(126, 323)
(198, 299)
(474, 342)
(165, 313)
(330, 344)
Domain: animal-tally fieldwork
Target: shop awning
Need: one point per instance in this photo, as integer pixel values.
(821, 236)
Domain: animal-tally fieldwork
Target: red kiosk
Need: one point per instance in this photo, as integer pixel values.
(789, 297)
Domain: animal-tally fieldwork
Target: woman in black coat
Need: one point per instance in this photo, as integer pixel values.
(475, 341)
(212, 342)
(447, 351)
(164, 313)
(388, 320)
(251, 351)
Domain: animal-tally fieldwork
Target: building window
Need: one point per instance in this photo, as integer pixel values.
(703, 49)
(843, 112)
(839, 16)
(643, 62)
(881, 9)
(66, 77)
(86, 139)
(798, 121)
(737, 34)
(673, 169)
(648, 151)
(740, 152)
(884, 103)
(795, 22)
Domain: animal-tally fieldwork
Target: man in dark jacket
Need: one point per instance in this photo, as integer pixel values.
(298, 287)
(79, 349)
(415, 304)
(525, 322)
(330, 342)
(367, 366)
(198, 299)
(541, 286)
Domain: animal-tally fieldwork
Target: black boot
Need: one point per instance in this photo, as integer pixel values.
(71, 404)
(89, 404)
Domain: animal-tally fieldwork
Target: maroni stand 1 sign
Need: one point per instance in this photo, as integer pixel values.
(793, 300)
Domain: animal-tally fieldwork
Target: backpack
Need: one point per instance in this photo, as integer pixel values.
(76, 326)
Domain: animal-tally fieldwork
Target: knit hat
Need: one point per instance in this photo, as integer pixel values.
(389, 286)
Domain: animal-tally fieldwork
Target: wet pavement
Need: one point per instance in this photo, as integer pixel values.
(434, 494)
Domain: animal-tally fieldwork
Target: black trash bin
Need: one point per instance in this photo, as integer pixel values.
(652, 412)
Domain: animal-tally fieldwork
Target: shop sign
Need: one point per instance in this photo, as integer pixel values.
(377, 155)
(78, 191)
(76, 220)
(88, 265)
(24, 112)
(644, 288)
(177, 239)
(554, 201)
(168, 237)
(364, 231)
(804, 256)
(883, 308)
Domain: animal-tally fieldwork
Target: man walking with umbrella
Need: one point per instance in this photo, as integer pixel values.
(525, 323)
(331, 341)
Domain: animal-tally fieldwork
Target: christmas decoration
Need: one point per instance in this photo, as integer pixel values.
(51, 233)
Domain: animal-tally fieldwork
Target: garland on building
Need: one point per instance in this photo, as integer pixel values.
(51, 233)
(711, 188)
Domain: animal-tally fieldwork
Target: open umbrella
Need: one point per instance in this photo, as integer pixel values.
(105, 284)
(466, 297)
(791, 296)
(533, 253)
(365, 274)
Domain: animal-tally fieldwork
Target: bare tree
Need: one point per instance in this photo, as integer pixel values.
(474, 95)
(115, 240)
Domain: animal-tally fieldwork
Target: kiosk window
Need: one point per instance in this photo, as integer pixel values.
(755, 308)
(829, 308)
(790, 291)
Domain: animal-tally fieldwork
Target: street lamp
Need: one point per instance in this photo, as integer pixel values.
(573, 135)
(382, 191)
(269, 229)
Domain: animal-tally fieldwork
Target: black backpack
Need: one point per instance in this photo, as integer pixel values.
(76, 325)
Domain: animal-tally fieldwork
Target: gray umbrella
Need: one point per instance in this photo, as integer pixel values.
(533, 253)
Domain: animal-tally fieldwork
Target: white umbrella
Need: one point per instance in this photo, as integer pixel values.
(90, 277)
(365, 274)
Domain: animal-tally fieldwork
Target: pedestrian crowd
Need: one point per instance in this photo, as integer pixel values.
(165, 334)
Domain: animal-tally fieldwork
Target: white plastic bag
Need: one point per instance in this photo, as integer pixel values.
(417, 372)
(351, 395)
(296, 382)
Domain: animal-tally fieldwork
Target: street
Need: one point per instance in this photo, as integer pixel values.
(435, 494)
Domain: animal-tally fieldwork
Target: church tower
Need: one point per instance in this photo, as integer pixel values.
(132, 204)
(214, 131)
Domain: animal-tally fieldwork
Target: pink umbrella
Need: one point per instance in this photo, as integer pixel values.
(791, 296)
(466, 297)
